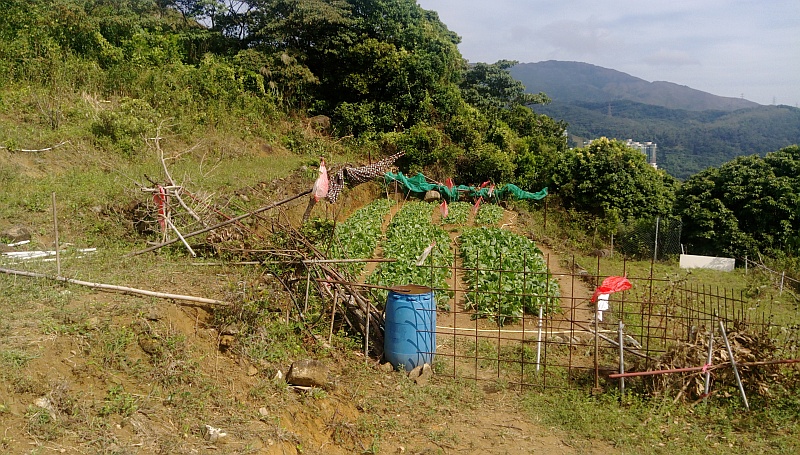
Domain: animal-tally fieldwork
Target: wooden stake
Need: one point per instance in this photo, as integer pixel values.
(55, 228)
(333, 312)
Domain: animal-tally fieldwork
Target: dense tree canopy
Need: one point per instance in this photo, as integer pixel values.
(609, 179)
(747, 205)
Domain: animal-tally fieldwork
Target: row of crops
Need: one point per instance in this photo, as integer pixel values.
(409, 234)
(359, 235)
(505, 274)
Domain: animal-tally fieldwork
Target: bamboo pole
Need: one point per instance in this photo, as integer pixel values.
(111, 287)
(224, 223)
(178, 233)
(733, 365)
(621, 359)
(709, 359)
(344, 261)
(538, 341)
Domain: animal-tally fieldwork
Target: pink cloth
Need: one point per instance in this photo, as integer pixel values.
(320, 189)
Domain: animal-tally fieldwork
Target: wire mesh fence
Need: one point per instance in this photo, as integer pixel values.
(657, 238)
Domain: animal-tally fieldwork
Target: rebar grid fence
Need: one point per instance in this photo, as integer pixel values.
(573, 347)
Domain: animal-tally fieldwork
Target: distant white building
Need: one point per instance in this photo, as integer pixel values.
(648, 148)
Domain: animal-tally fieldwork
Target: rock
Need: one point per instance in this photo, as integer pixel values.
(252, 370)
(263, 411)
(414, 374)
(226, 342)
(212, 434)
(424, 376)
(432, 195)
(386, 367)
(602, 253)
(46, 404)
(15, 234)
(320, 122)
(307, 373)
(149, 344)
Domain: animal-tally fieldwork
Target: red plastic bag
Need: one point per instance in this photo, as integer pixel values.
(610, 285)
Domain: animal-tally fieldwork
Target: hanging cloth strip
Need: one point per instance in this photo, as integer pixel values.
(356, 175)
(419, 184)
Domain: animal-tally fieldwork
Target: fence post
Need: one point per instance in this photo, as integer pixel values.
(655, 243)
(539, 341)
(621, 359)
(783, 276)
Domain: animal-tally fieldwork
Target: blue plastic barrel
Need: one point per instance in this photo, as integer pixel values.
(410, 327)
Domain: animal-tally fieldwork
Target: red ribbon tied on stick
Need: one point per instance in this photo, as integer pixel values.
(612, 284)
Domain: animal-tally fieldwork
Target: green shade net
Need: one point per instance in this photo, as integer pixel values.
(419, 184)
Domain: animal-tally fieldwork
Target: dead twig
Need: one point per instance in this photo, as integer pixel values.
(224, 223)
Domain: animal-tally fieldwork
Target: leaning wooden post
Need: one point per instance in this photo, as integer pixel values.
(333, 312)
(308, 288)
(733, 364)
(55, 228)
(709, 359)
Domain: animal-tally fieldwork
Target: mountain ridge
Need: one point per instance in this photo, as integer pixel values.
(694, 130)
(571, 81)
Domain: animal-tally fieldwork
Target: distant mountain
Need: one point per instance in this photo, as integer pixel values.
(567, 82)
(693, 129)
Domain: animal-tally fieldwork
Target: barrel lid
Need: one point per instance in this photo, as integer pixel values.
(411, 289)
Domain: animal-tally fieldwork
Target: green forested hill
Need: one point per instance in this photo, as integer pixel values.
(688, 141)
(693, 129)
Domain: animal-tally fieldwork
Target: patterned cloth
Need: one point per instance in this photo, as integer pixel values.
(356, 175)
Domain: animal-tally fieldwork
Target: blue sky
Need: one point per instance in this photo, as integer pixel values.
(732, 48)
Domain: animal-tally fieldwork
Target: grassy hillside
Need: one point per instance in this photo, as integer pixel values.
(90, 124)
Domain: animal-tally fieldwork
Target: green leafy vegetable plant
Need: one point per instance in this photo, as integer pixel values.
(359, 235)
(489, 215)
(506, 275)
(407, 237)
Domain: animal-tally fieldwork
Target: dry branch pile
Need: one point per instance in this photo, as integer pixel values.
(748, 347)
